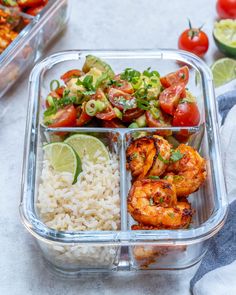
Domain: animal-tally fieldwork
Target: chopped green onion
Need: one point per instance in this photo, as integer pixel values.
(53, 82)
(50, 100)
(94, 106)
(153, 177)
(162, 159)
(176, 156)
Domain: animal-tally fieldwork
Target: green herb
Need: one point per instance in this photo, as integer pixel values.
(149, 74)
(153, 177)
(116, 83)
(162, 159)
(130, 75)
(165, 177)
(151, 202)
(55, 104)
(143, 104)
(134, 155)
(176, 155)
(171, 214)
(56, 83)
(161, 200)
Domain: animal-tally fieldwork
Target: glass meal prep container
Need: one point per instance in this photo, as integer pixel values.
(71, 252)
(27, 47)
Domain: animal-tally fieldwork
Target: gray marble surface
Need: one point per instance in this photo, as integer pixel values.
(93, 25)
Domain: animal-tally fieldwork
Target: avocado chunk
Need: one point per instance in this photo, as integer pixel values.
(95, 62)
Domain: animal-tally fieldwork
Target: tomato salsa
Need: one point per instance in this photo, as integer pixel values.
(96, 96)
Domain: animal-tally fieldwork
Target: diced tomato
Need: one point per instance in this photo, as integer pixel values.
(123, 85)
(60, 90)
(35, 10)
(186, 114)
(163, 120)
(131, 115)
(71, 74)
(170, 97)
(120, 99)
(65, 117)
(114, 123)
(182, 75)
(82, 117)
(31, 3)
(108, 113)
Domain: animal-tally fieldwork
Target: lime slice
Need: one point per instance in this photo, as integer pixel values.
(63, 158)
(225, 36)
(224, 71)
(88, 145)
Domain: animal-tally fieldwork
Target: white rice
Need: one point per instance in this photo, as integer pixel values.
(92, 203)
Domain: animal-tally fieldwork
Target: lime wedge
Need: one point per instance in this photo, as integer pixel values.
(88, 145)
(224, 34)
(63, 158)
(224, 71)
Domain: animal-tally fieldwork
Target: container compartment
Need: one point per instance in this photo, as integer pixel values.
(73, 257)
(203, 202)
(125, 249)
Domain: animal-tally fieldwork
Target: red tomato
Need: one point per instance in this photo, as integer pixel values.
(119, 98)
(123, 85)
(169, 98)
(65, 117)
(226, 8)
(108, 113)
(182, 75)
(60, 90)
(194, 40)
(82, 117)
(163, 120)
(130, 115)
(31, 3)
(114, 123)
(71, 74)
(186, 114)
(35, 10)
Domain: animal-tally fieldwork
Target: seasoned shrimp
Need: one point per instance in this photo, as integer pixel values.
(188, 173)
(148, 156)
(154, 203)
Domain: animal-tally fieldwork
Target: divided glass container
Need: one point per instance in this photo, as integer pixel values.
(72, 252)
(28, 46)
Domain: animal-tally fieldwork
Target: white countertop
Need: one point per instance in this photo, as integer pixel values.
(93, 24)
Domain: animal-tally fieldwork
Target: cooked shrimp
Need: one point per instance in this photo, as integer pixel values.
(154, 203)
(148, 156)
(188, 173)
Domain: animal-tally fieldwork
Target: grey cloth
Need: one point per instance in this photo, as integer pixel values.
(222, 248)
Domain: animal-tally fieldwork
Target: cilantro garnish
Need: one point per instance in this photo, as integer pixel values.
(176, 155)
(130, 75)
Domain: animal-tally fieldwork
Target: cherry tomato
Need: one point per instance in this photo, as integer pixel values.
(71, 74)
(108, 113)
(31, 3)
(226, 8)
(163, 120)
(120, 99)
(60, 90)
(35, 10)
(82, 117)
(123, 85)
(65, 117)
(114, 123)
(194, 40)
(182, 75)
(182, 136)
(169, 98)
(131, 115)
(186, 114)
